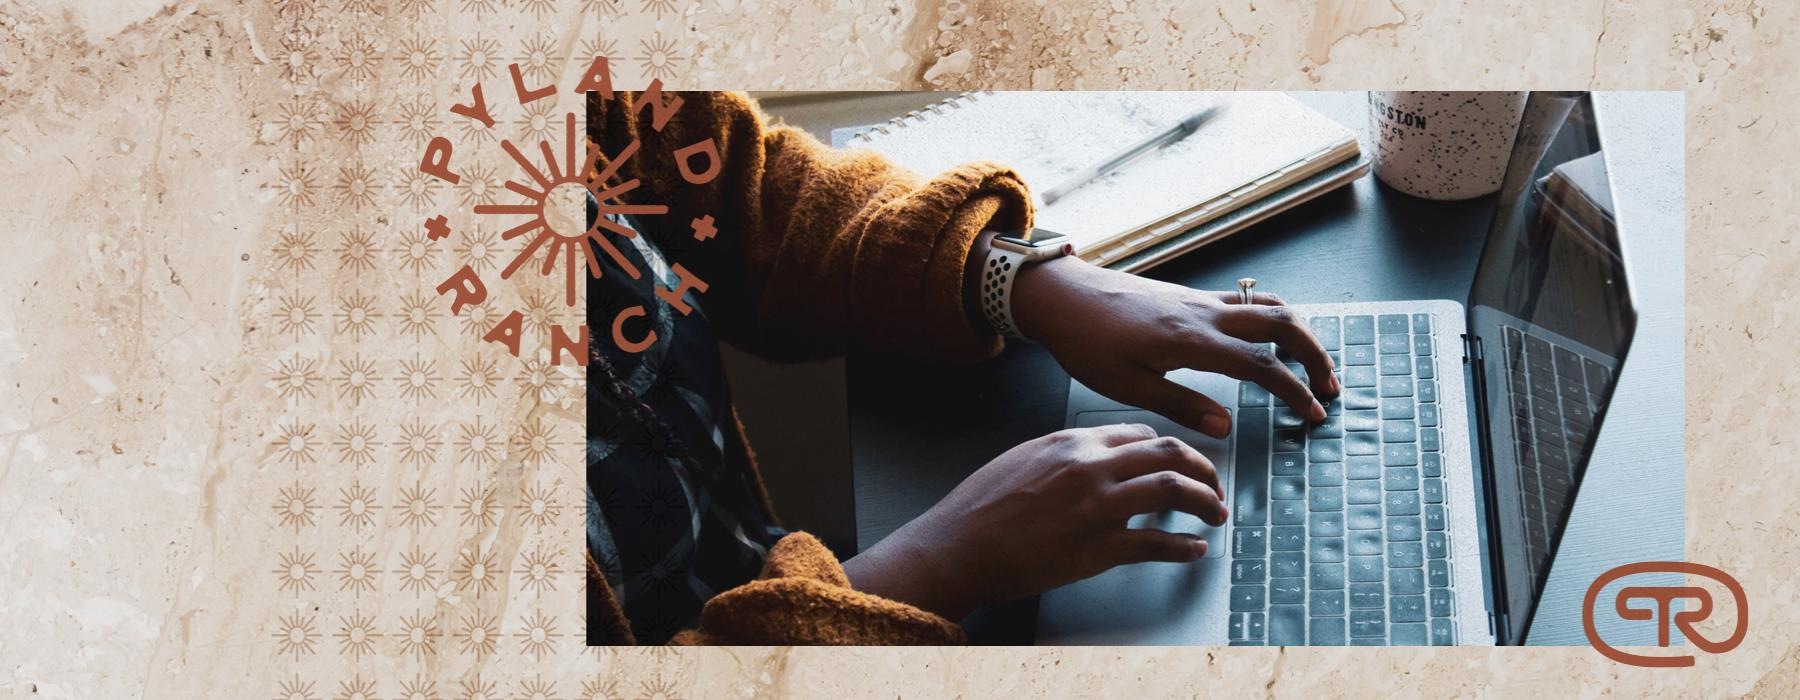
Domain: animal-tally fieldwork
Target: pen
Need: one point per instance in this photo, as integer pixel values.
(1174, 133)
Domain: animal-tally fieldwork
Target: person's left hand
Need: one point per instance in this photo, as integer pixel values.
(1119, 334)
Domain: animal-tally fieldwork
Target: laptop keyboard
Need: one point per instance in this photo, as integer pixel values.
(1554, 393)
(1339, 530)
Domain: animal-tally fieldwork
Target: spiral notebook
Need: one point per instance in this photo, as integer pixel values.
(1260, 154)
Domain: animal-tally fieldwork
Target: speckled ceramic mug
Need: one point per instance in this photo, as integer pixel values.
(1443, 145)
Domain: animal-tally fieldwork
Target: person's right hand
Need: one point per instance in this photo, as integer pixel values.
(1043, 514)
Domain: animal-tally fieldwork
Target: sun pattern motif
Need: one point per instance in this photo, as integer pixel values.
(402, 450)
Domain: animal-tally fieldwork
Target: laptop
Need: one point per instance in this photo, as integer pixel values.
(1428, 508)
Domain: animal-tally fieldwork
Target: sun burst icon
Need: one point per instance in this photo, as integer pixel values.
(357, 635)
(295, 506)
(296, 635)
(357, 572)
(477, 570)
(538, 570)
(357, 507)
(539, 635)
(557, 207)
(418, 635)
(478, 635)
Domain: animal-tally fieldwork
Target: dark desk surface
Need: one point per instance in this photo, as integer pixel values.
(918, 429)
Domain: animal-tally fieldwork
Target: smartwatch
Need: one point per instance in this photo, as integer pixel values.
(1011, 252)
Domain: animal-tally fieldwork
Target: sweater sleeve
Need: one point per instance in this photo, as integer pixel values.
(804, 597)
(816, 250)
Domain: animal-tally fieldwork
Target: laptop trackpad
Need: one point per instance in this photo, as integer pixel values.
(1214, 449)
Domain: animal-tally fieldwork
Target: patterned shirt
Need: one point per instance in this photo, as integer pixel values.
(675, 515)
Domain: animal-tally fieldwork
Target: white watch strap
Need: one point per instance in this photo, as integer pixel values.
(997, 275)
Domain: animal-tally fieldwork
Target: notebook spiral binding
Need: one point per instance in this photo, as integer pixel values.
(918, 115)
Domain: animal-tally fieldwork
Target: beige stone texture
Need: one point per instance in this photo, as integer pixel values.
(198, 197)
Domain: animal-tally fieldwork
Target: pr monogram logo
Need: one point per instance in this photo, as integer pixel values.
(1661, 596)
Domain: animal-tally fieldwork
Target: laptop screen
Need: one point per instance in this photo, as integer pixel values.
(1552, 311)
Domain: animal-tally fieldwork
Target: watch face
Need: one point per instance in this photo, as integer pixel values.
(1039, 239)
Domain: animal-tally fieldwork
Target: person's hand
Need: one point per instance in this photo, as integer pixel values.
(1046, 513)
(1119, 334)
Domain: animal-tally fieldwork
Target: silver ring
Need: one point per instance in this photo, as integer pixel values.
(1245, 284)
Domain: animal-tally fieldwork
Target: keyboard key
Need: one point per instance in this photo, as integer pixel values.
(1330, 604)
(1359, 356)
(1396, 387)
(1287, 625)
(1325, 550)
(1368, 623)
(1434, 490)
(1356, 377)
(1400, 408)
(1365, 542)
(1286, 418)
(1394, 345)
(1402, 503)
(1288, 539)
(1362, 467)
(1366, 569)
(1422, 345)
(1359, 330)
(1250, 487)
(1363, 492)
(1254, 627)
(1287, 464)
(1395, 364)
(1405, 555)
(1235, 630)
(1425, 369)
(1438, 572)
(1421, 323)
(1325, 525)
(1427, 391)
(1325, 499)
(1428, 415)
(1437, 545)
(1408, 635)
(1430, 440)
(1439, 602)
(1245, 643)
(1361, 421)
(1287, 513)
(1287, 488)
(1363, 518)
(1328, 474)
(1326, 577)
(1367, 596)
(1287, 565)
(1399, 431)
(1442, 634)
(1362, 444)
(1327, 330)
(1432, 464)
(1326, 631)
(1404, 528)
(1434, 518)
(1406, 608)
(1287, 591)
(1246, 598)
(1400, 479)
(1399, 455)
(1251, 396)
(1406, 582)
(1249, 570)
(1325, 451)
(1290, 440)
(1394, 323)
(1333, 427)
(1360, 399)
(1249, 542)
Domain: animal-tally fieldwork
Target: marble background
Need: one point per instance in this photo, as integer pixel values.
(243, 452)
